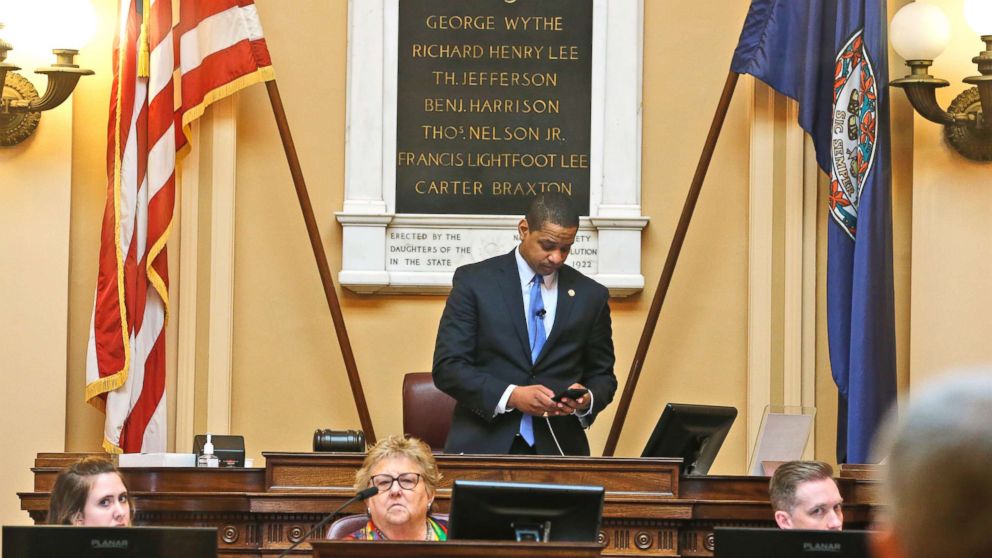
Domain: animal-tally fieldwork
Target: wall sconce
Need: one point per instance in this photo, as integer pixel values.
(20, 104)
(919, 33)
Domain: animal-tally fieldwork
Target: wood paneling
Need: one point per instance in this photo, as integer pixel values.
(649, 510)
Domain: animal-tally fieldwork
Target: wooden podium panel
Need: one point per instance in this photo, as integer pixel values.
(634, 477)
(461, 549)
(648, 509)
(867, 487)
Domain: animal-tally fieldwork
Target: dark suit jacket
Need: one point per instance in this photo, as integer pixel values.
(482, 347)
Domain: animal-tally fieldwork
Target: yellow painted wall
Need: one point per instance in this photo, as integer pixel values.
(35, 186)
(952, 255)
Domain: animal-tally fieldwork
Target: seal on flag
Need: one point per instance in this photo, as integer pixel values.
(852, 145)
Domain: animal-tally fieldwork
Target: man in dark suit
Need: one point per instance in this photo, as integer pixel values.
(518, 329)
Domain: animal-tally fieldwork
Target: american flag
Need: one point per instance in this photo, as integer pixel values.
(172, 58)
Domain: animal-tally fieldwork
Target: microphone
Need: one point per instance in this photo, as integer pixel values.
(362, 495)
(540, 313)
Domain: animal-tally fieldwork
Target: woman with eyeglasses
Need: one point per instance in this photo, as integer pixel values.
(406, 475)
(91, 493)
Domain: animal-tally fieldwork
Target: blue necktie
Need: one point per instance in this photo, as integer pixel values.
(537, 335)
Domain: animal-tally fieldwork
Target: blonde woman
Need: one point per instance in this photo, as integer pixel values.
(406, 476)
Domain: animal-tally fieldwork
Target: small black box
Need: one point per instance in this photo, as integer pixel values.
(230, 450)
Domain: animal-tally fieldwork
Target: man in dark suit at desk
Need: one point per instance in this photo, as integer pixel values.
(518, 329)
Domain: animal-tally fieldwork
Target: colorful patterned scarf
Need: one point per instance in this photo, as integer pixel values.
(437, 530)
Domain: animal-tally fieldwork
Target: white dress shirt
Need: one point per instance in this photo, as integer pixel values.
(549, 294)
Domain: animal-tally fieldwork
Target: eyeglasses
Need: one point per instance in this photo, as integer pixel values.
(408, 481)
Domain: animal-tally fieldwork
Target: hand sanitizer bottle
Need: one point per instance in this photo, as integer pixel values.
(207, 458)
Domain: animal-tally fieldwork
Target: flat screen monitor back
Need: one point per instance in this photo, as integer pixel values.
(692, 432)
(489, 510)
(739, 542)
(62, 541)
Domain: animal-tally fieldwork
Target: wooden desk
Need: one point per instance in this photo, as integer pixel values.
(460, 549)
(648, 511)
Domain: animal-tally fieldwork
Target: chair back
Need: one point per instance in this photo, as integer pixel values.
(426, 410)
(344, 526)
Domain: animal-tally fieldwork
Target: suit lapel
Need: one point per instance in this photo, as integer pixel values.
(566, 301)
(513, 298)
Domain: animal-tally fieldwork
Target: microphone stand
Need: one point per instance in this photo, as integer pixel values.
(362, 495)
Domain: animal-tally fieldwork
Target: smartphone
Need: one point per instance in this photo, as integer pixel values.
(571, 393)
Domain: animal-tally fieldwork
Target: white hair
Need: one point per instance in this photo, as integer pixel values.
(939, 468)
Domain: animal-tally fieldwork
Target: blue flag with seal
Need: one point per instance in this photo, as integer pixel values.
(830, 56)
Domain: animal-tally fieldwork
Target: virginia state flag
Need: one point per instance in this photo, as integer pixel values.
(830, 56)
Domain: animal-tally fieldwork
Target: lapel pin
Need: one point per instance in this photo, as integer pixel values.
(571, 292)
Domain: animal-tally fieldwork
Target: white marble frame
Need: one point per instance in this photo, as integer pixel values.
(370, 153)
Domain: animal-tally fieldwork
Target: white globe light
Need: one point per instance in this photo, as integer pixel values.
(920, 31)
(39, 26)
(15, 17)
(72, 23)
(978, 14)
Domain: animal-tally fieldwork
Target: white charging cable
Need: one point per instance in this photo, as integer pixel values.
(553, 437)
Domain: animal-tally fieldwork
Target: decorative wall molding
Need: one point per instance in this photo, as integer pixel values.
(782, 204)
(811, 176)
(368, 218)
(221, 329)
(189, 235)
(799, 269)
(761, 109)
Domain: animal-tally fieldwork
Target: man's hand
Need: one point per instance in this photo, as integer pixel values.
(533, 400)
(568, 406)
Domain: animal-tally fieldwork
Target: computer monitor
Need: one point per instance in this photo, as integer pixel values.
(736, 542)
(489, 510)
(692, 432)
(60, 541)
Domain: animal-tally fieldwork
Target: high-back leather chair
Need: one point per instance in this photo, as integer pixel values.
(426, 410)
(344, 526)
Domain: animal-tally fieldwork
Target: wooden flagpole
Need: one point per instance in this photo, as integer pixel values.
(318, 252)
(673, 257)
